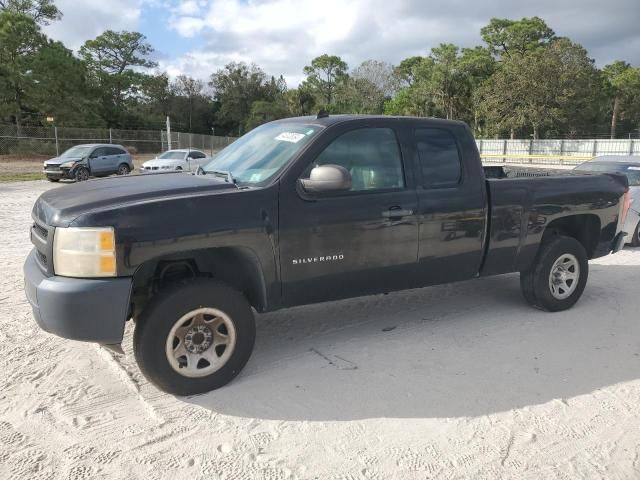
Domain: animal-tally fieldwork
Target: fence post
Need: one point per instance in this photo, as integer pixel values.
(110, 137)
(55, 133)
(504, 151)
(630, 146)
(594, 152)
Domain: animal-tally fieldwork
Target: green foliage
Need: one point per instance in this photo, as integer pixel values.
(42, 12)
(508, 37)
(524, 80)
(323, 74)
(114, 61)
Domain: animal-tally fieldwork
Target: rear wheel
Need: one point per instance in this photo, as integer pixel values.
(194, 337)
(82, 174)
(635, 240)
(123, 169)
(557, 279)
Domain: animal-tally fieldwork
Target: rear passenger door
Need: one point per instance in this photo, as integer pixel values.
(115, 156)
(451, 199)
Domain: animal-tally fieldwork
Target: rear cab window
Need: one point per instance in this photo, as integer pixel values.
(438, 157)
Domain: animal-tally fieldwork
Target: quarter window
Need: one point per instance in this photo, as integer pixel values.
(439, 157)
(371, 155)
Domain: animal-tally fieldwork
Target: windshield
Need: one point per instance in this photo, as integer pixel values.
(172, 155)
(76, 152)
(632, 172)
(258, 155)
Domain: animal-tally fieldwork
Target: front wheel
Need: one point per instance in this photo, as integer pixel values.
(557, 279)
(194, 337)
(82, 174)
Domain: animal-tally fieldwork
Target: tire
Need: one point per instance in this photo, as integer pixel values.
(155, 342)
(179, 169)
(123, 169)
(81, 174)
(52, 179)
(564, 257)
(635, 241)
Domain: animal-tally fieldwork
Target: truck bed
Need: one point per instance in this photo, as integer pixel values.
(524, 203)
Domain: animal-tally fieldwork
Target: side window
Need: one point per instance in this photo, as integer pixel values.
(99, 152)
(439, 157)
(196, 154)
(371, 155)
(114, 151)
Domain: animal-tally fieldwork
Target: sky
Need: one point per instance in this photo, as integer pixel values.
(197, 37)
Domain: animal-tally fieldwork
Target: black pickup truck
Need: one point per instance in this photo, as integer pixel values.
(297, 211)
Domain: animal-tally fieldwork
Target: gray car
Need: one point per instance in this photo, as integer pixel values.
(628, 165)
(81, 162)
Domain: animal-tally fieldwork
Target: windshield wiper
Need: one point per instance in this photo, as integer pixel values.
(224, 173)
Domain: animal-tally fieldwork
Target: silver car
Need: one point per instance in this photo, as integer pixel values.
(628, 165)
(179, 159)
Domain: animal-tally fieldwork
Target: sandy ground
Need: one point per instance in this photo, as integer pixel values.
(457, 381)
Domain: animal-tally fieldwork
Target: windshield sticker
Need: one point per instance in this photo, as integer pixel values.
(291, 137)
(633, 168)
(309, 132)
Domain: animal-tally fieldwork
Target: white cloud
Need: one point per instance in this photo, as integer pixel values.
(85, 20)
(284, 35)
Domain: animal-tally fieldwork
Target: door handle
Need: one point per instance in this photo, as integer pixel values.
(396, 212)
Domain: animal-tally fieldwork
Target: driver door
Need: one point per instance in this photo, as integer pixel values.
(351, 243)
(99, 161)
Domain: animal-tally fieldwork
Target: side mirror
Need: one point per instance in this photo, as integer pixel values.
(327, 179)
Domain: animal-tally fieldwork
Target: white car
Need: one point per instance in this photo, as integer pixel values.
(180, 159)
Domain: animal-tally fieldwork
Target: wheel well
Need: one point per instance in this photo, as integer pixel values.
(235, 266)
(584, 228)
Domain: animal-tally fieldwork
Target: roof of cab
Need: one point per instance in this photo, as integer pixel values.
(342, 118)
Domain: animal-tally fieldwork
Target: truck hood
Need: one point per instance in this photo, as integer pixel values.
(60, 206)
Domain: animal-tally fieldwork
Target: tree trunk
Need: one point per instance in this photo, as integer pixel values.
(512, 136)
(535, 133)
(614, 116)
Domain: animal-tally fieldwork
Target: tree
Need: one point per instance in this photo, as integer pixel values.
(20, 40)
(301, 100)
(323, 74)
(405, 73)
(62, 88)
(114, 60)
(42, 12)
(540, 89)
(235, 88)
(263, 111)
(508, 37)
(623, 87)
(190, 88)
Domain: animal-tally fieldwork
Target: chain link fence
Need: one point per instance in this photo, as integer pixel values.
(29, 142)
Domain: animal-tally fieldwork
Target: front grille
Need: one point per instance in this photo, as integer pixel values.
(42, 259)
(41, 231)
(42, 239)
(52, 168)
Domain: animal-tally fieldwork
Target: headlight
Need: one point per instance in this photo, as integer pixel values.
(84, 252)
(67, 164)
